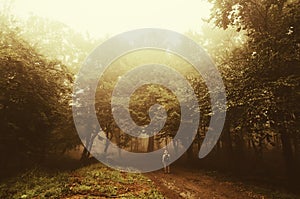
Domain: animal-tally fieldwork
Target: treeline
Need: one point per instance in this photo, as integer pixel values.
(257, 55)
(260, 65)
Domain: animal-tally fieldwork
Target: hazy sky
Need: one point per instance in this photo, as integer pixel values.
(101, 17)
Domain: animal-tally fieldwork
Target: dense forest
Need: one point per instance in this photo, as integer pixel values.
(254, 44)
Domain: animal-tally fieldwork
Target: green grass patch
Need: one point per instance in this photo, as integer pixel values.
(93, 181)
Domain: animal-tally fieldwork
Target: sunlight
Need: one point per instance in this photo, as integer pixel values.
(103, 17)
(93, 104)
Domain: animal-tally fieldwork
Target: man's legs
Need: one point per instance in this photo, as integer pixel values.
(165, 167)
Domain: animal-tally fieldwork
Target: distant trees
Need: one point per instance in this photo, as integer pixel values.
(146, 96)
(140, 102)
(57, 40)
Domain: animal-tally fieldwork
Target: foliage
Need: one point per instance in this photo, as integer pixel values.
(57, 41)
(34, 102)
(146, 96)
(269, 86)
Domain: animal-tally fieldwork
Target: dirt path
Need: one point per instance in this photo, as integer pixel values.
(182, 183)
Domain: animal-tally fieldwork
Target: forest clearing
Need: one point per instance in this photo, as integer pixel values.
(98, 108)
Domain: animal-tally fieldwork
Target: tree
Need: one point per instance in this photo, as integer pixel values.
(271, 68)
(57, 41)
(36, 118)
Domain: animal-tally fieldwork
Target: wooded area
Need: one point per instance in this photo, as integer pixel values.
(254, 44)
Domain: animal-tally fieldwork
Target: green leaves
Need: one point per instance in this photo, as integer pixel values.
(35, 115)
(266, 90)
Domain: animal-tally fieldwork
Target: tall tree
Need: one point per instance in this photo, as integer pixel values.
(271, 67)
(36, 118)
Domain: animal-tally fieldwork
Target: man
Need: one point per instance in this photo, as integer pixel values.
(166, 161)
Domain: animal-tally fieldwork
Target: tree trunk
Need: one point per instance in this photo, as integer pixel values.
(227, 142)
(240, 147)
(150, 144)
(190, 153)
(107, 141)
(291, 169)
(85, 153)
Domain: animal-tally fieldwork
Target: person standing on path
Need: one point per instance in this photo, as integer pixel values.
(166, 161)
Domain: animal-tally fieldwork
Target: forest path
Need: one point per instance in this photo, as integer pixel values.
(183, 183)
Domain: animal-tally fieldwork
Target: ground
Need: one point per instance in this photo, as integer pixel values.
(184, 183)
(94, 181)
(98, 181)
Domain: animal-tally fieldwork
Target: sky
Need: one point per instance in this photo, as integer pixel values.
(106, 17)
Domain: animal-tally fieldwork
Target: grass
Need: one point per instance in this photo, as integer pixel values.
(94, 181)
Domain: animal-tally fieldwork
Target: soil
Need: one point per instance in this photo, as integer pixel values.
(183, 183)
